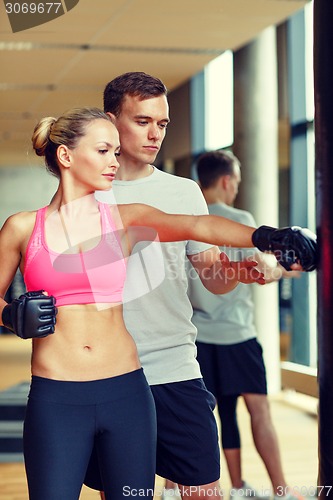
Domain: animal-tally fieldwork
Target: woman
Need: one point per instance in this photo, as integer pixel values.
(87, 384)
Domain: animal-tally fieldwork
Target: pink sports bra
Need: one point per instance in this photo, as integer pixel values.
(94, 276)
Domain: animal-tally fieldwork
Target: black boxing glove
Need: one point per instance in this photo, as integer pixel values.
(32, 315)
(290, 245)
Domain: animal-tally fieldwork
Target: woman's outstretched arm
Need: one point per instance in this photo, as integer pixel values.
(170, 227)
(292, 246)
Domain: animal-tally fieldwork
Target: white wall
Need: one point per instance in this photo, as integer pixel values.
(24, 188)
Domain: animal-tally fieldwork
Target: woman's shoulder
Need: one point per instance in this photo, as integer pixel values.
(21, 222)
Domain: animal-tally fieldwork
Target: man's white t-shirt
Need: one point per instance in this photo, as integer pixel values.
(157, 309)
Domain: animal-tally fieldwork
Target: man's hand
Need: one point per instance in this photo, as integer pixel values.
(244, 271)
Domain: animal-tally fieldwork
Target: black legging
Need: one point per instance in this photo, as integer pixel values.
(65, 419)
(228, 415)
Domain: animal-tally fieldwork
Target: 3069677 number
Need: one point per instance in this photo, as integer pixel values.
(304, 491)
(33, 8)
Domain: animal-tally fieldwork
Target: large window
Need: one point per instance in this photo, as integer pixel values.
(302, 190)
(219, 102)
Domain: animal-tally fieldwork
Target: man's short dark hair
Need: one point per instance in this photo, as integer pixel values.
(213, 165)
(134, 84)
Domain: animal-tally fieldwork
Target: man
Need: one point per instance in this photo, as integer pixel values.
(229, 355)
(160, 321)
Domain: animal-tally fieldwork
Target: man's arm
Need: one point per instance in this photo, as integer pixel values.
(220, 275)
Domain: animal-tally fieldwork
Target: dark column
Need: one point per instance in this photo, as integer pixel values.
(323, 74)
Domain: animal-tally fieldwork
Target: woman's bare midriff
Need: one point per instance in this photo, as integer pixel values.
(90, 342)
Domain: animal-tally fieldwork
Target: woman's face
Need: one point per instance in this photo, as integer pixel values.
(93, 162)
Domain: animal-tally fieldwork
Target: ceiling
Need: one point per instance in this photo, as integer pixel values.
(67, 61)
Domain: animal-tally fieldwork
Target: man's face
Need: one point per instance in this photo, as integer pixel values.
(142, 127)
